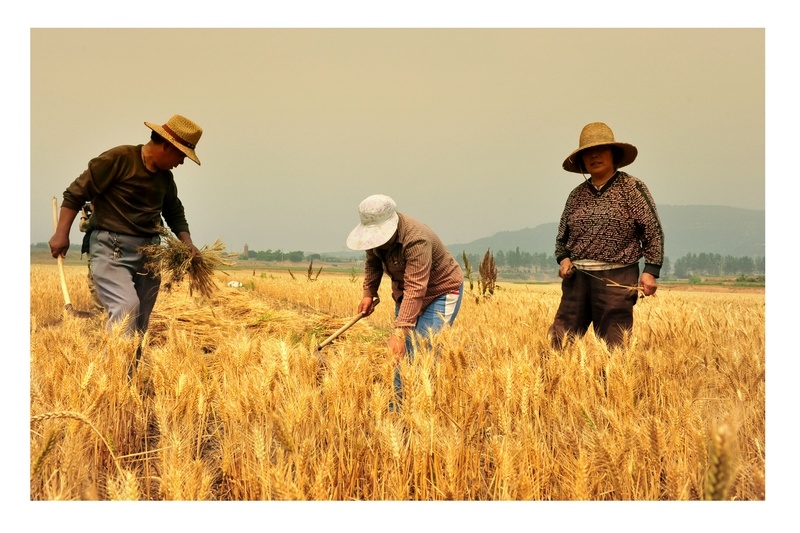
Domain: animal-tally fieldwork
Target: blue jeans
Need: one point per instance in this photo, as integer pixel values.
(127, 293)
(440, 313)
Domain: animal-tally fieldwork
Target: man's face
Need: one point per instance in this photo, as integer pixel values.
(169, 157)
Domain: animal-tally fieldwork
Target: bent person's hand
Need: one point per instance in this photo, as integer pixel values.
(366, 306)
(397, 348)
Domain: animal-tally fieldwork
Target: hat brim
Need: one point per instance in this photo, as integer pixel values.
(368, 237)
(185, 149)
(572, 162)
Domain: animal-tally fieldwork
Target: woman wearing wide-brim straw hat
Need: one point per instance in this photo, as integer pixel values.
(608, 225)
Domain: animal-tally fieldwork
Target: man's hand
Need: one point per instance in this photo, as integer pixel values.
(59, 242)
(195, 254)
(186, 239)
(59, 245)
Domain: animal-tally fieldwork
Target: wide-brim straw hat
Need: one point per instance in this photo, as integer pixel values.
(379, 221)
(598, 134)
(181, 133)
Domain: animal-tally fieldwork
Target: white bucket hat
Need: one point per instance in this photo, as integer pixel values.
(379, 219)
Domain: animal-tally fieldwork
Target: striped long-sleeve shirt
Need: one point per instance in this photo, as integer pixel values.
(420, 266)
(617, 224)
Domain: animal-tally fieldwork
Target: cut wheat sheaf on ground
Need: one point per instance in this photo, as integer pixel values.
(232, 401)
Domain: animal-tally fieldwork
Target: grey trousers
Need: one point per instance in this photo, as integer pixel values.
(588, 299)
(127, 293)
(96, 302)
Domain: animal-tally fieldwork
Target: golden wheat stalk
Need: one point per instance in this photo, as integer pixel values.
(470, 428)
(611, 283)
(719, 476)
(82, 418)
(631, 288)
(46, 449)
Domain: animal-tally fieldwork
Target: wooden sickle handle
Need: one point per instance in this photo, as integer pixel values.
(341, 330)
(64, 290)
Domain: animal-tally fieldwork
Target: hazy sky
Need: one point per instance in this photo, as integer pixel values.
(465, 128)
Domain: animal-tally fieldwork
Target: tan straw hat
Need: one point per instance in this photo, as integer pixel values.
(598, 134)
(181, 132)
(379, 220)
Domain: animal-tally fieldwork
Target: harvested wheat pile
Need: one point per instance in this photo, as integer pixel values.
(211, 320)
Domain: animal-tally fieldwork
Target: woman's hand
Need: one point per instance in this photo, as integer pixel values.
(567, 269)
(648, 283)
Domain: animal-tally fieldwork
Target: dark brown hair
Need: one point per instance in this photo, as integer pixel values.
(157, 138)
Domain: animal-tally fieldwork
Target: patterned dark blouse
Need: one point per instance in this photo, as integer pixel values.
(617, 224)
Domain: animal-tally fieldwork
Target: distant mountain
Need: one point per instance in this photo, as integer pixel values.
(687, 229)
(532, 240)
(713, 228)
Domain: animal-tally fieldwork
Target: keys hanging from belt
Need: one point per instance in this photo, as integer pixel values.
(116, 250)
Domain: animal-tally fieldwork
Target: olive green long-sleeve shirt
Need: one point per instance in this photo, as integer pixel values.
(127, 198)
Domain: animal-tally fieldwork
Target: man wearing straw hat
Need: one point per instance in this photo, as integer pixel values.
(131, 187)
(427, 282)
(608, 224)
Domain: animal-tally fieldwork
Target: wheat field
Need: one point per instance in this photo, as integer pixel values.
(233, 401)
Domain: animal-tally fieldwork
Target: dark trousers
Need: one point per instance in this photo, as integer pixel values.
(592, 298)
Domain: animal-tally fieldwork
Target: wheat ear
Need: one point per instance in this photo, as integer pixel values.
(82, 418)
(720, 468)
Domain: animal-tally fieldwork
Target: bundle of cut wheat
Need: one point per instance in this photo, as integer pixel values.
(172, 259)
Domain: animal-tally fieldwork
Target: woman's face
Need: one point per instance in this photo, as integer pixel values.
(598, 161)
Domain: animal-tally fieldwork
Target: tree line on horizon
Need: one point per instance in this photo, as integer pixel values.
(516, 263)
(520, 264)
